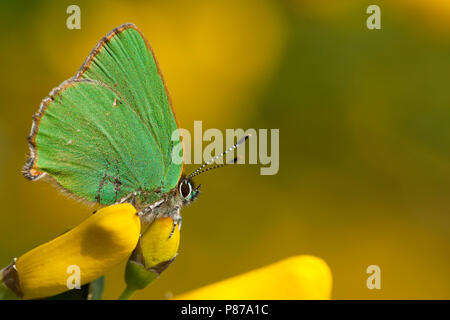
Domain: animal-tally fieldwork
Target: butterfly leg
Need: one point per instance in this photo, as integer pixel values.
(149, 214)
(151, 207)
(130, 198)
(177, 220)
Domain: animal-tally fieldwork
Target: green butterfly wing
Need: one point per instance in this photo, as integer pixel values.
(124, 60)
(107, 132)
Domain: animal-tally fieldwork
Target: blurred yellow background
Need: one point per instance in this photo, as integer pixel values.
(364, 119)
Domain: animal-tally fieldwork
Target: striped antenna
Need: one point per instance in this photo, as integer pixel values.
(201, 170)
(215, 167)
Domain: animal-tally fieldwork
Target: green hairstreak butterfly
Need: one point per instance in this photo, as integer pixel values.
(105, 135)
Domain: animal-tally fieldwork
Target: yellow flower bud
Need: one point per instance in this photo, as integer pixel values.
(153, 254)
(156, 246)
(96, 245)
(296, 278)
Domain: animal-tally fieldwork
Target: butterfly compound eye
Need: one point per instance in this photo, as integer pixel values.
(185, 189)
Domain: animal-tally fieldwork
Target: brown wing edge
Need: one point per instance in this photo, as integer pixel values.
(30, 171)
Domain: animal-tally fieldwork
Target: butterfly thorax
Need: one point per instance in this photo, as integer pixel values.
(169, 204)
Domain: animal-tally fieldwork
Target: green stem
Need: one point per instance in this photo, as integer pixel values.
(127, 293)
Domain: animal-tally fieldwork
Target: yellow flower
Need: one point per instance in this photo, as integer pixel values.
(156, 245)
(96, 245)
(300, 277)
(155, 251)
(110, 236)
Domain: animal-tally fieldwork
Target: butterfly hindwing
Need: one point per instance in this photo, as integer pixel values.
(83, 143)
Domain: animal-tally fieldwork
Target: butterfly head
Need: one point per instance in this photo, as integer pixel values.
(187, 191)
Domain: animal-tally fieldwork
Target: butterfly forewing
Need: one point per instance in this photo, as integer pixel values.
(125, 61)
(107, 132)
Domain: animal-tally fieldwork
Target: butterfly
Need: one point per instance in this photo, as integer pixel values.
(107, 134)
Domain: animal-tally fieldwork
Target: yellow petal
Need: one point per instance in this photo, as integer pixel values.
(300, 277)
(96, 245)
(153, 254)
(156, 245)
